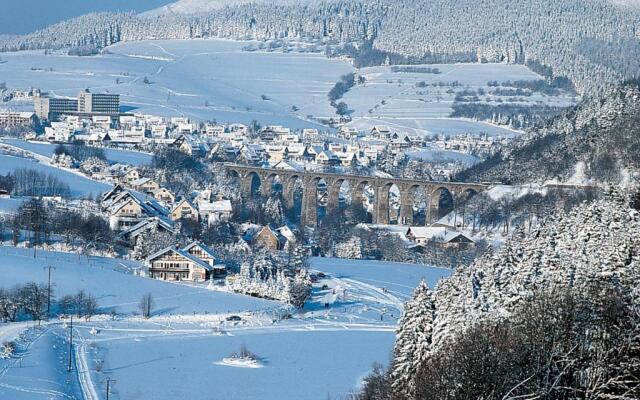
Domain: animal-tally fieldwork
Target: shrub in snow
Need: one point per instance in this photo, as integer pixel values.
(7, 349)
(146, 305)
(352, 249)
(243, 354)
(81, 304)
(63, 160)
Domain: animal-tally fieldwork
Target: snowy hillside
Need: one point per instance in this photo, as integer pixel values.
(188, 336)
(599, 134)
(134, 158)
(595, 44)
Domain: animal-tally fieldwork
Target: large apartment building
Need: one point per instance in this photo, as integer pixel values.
(46, 107)
(99, 103)
(86, 103)
(14, 118)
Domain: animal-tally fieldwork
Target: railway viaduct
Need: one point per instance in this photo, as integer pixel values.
(264, 178)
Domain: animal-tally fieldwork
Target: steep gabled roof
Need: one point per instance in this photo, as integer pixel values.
(146, 224)
(179, 204)
(204, 248)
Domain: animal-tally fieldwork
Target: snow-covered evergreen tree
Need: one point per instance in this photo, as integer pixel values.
(413, 340)
(351, 248)
(274, 211)
(152, 241)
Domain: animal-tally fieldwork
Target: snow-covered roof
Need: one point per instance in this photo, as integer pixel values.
(181, 202)
(147, 224)
(439, 233)
(288, 165)
(148, 204)
(140, 181)
(210, 252)
(287, 233)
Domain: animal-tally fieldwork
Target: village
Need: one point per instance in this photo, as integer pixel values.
(167, 227)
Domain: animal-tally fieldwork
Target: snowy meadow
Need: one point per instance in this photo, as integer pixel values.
(219, 80)
(189, 335)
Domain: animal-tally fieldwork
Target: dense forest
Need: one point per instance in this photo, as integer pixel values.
(593, 43)
(553, 313)
(600, 134)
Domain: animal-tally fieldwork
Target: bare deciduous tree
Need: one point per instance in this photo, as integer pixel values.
(146, 305)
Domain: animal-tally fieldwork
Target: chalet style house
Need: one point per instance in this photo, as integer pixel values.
(132, 213)
(185, 210)
(195, 263)
(266, 238)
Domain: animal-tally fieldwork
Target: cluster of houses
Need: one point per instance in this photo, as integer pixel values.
(469, 144)
(197, 262)
(137, 204)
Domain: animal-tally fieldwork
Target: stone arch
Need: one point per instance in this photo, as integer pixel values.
(251, 183)
(465, 195)
(441, 202)
(233, 173)
(384, 206)
(290, 184)
(358, 197)
(334, 190)
(309, 213)
(292, 196)
(408, 196)
(271, 184)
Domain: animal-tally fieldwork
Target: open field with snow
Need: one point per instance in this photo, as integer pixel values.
(316, 353)
(421, 102)
(298, 364)
(81, 187)
(216, 79)
(115, 286)
(134, 158)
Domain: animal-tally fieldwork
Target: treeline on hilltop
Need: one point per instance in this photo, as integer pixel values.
(590, 43)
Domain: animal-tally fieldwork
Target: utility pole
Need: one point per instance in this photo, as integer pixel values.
(49, 293)
(70, 345)
(109, 380)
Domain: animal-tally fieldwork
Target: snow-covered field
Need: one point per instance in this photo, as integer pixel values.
(296, 364)
(134, 158)
(400, 279)
(396, 99)
(216, 79)
(201, 79)
(180, 351)
(81, 187)
(115, 286)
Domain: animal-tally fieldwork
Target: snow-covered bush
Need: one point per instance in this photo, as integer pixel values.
(63, 160)
(352, 249)
(7, 349)
(263, 275)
